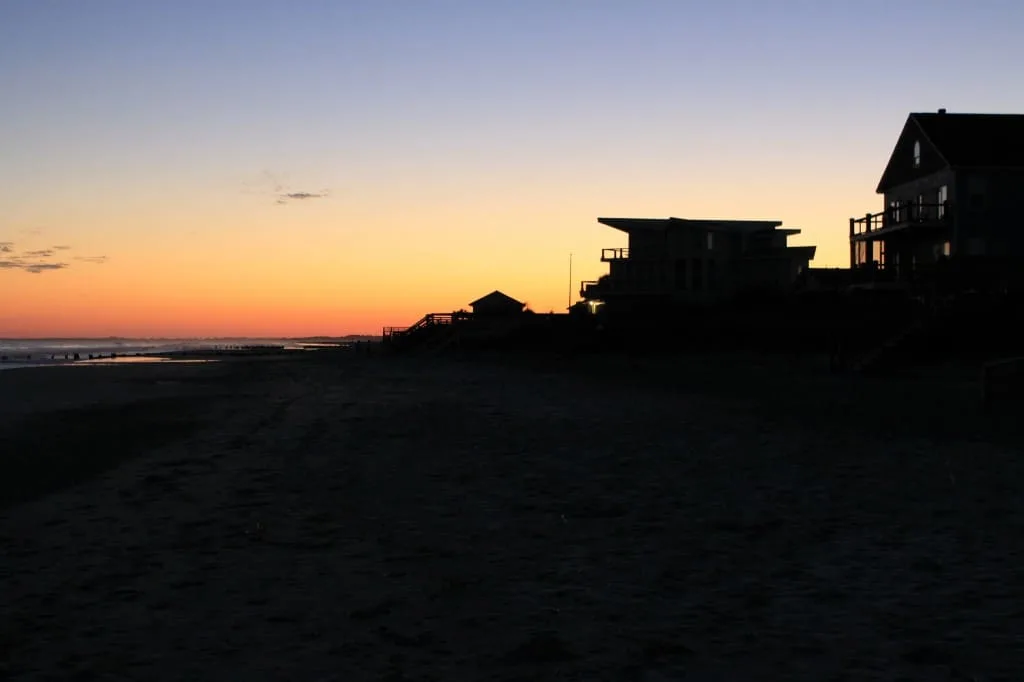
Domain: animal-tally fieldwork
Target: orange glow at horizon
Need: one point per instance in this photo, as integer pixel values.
(351, 269)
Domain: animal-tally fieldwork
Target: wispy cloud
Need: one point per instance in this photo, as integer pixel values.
(34, 261)
(288, 197)
(98, 260)
(277, 186)
(35, 267)
(304, 195)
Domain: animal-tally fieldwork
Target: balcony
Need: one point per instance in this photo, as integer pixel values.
(608, 255)
(590, 289)
(620, 286)
(899, 218)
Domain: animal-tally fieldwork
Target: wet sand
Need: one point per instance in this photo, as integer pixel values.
(354, 518)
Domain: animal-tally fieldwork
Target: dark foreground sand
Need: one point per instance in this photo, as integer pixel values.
(352, 518)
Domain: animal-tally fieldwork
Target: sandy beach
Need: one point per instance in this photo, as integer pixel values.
(345, 517)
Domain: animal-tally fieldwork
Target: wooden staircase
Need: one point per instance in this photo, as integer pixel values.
(430, 331)
(885, 355)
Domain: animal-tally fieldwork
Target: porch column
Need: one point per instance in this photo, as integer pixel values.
(853, 247)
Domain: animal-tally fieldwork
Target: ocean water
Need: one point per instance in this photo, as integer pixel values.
(39, 352)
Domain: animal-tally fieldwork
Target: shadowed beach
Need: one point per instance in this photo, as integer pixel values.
(343, 517)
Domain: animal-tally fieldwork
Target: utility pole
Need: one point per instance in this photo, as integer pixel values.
(570, 281)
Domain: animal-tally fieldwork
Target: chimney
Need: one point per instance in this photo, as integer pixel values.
(942, 111)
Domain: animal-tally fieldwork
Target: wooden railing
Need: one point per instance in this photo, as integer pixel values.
(428, 320)
(631, 286)
(895, 216)
(614, 254)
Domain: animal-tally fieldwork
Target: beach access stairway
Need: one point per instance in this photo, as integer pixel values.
(439, 332)
(884, 354)
(958, 325)
(899, 348)
(433, 329)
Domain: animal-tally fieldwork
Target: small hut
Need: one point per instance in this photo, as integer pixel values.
(496, 304)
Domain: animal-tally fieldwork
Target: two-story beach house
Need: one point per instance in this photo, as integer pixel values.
(677, 260)
(952, 190)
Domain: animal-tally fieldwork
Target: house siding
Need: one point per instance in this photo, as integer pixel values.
(927, 188)
(900, 169)
(701, 262)
(989, 213)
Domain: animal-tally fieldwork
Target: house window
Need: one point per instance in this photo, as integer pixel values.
(945, 249)
(920, 207)
(711, 241)
(917, 153)
(942, 199)
(698, 274)
(861, 255)
(896, 211)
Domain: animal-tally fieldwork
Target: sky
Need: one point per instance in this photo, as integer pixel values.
(258, 168)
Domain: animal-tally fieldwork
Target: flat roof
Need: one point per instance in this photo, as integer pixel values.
(631, 224)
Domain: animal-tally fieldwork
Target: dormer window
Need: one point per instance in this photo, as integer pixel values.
(917, 154)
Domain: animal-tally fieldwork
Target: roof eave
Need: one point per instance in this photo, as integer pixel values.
(913, 116)
(498, 295)
(626, 224)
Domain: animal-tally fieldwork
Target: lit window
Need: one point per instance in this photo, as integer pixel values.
(897, 209)
(917, 153)
(943, 198)
(711, 241)
(945, 248)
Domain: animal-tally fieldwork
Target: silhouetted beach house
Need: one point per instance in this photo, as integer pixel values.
(952, 190)
(496, 304)
(496, 313)
(950, 229)
(679, 260)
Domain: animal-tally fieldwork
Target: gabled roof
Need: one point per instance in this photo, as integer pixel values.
(955, 140)
(637, 224)
(975, 139)
(496, 297)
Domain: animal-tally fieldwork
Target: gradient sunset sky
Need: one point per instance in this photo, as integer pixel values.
(254, 168)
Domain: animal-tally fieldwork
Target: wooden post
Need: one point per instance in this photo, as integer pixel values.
(853, 245)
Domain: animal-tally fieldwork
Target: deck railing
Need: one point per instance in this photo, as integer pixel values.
(897, 216)
(589, 286)
(614, 254)
(624, 286)
(428, 320)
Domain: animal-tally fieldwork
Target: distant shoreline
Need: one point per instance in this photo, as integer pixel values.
(199, 353)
